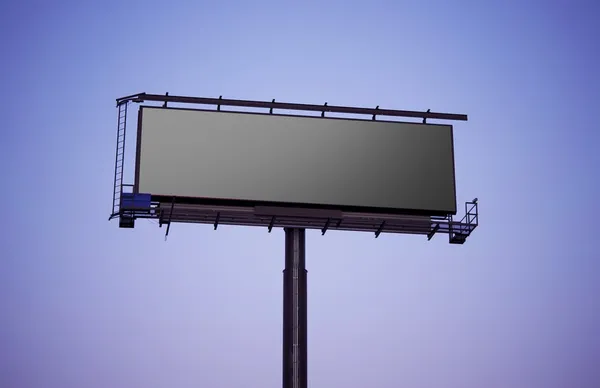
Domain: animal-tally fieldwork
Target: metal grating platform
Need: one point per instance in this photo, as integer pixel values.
(323, 220)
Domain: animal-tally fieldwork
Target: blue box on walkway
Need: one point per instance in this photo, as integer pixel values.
(135, 201)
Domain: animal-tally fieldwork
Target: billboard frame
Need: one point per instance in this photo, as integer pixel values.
(239, 202)
(243, 213)
(294, 220)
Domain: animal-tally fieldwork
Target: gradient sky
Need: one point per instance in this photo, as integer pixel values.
(86, 304)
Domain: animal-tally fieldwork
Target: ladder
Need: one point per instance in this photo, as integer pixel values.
(119, 159)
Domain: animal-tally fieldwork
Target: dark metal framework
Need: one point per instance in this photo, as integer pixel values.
(294, 360)
(168, 210)
(373, 112)
(127, 206)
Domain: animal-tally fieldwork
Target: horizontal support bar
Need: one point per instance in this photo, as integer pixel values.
(293, 106)
(312, 219)
(128, 98)
(295, 212)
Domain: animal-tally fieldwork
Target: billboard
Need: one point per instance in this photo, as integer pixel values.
(258, 159)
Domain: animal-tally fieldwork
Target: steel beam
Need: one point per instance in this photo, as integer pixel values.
(294, 310)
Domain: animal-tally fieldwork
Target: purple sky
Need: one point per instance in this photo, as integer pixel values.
(86, 304)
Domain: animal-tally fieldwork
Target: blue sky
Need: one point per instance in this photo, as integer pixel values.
(84, 303)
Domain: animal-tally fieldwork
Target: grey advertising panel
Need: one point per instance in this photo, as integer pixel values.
(262, 158)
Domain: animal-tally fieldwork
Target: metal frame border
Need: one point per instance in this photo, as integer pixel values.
(299, 217)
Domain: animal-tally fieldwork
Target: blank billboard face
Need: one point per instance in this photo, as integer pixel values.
(290, 160)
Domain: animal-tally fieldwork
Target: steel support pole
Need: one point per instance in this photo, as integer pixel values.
(294, 310)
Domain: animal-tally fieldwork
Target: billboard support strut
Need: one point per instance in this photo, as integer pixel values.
(380, 229)
(375, 114)
(217, 220)
(432, 233)
(294, 373)
(326, 227)
(271, 223)
(323, 111)
(170, 216)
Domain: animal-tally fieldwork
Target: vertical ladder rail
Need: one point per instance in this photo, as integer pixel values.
(119, 159)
